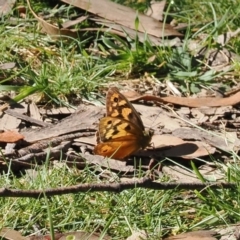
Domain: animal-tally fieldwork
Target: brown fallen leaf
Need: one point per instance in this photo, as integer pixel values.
(6, 6)
(138, 235)
(125, 16)
(9, 122)
(179, 174)
(190, 150)
(51, 29)
(180, 148)
(122, 30)
(9, 65)
(10, 137)
(79, 235)
(34, 111)
(223, 39)
(70, 23)
(156, 10)
(11, 234)
(83, 235)
(57, 236)
(225, 142)
(191, 102)
(57, 32)
(195, 235)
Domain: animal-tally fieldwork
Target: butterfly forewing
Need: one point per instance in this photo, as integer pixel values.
(119, 107)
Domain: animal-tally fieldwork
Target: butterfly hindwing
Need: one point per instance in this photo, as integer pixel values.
(117, 150)
(113, 128)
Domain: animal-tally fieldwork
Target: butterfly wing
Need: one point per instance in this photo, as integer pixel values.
(122, 132)
(119, 107)
(111, 129)
(117, 150)
(119, 138)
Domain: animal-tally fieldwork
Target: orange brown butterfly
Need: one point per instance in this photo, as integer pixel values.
(121, 133)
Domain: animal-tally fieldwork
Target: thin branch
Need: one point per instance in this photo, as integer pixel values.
(26, 118)
(112, 187)
(45, 143)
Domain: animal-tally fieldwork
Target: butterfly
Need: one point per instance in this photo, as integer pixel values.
(121, 133)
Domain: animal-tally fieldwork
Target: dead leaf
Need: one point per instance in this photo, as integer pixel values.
(195, 235)
(221, 142)
(52, 29)
(138, 235)
(122, 30)
(193, 102)
(125, 17)
(10, 137)
(180, 174)
(57, 236)
(229, 232)
(219, 111)
(190, 150)
(223, 39)
(9, 122)
(71, 23)
(82, 235)
(211, 173)
(160, 141)
(9, 148)
(177, 147)
(11, 234)
(87, 140)
(9, 65)
(6, 6)
(96, 160)
(156, 10)
(34, 111)
(17, 116)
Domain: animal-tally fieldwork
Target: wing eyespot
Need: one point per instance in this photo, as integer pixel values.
(115, 99)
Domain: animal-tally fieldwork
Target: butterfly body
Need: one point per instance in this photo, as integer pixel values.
(121, 132)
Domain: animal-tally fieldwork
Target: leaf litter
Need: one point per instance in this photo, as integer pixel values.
(177, 134)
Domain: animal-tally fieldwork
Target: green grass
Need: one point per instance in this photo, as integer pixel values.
(61, 72)
(67, 69)
(157, 212)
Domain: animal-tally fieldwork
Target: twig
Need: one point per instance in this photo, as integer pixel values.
(111, 187)
(39, 157)
(26, 118)
(45, 143)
